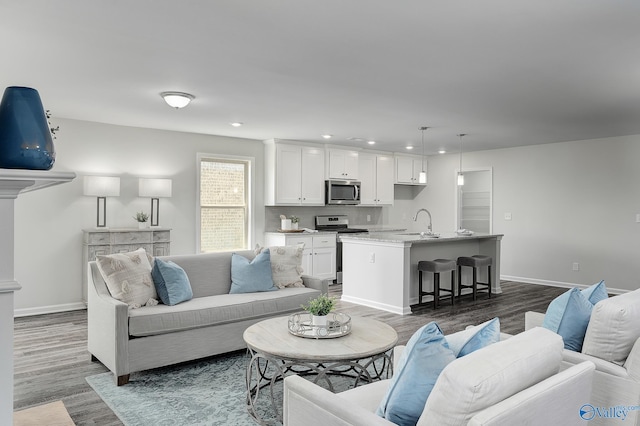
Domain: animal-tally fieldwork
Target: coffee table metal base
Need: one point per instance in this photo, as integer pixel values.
(265, 371)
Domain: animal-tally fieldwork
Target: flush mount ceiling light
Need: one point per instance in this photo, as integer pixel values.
(422, 177)
(460, 174)
(177, 99)
(237, 123)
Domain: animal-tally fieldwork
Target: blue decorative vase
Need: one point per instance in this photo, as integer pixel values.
(25, 138)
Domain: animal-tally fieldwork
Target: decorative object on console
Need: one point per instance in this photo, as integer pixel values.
(101, 187)
(177, 100)
(141, 218)
(25, 136)
(156, 189)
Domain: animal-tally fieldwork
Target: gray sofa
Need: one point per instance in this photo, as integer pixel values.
(211, 323)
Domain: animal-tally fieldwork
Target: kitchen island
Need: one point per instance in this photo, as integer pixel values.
(380, 270)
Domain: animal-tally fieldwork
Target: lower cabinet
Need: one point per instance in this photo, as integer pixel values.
(319, 255)
(99, 242)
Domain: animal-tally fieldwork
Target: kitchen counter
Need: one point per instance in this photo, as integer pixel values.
(380, 269)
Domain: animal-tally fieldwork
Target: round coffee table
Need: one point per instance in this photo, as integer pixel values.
(364, 355)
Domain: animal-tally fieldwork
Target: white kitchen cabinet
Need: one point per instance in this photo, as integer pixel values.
(319, 255)
(343, 164)
(294, 174)
(408, 169)
(376, 177)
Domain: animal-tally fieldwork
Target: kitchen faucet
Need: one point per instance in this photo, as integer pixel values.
(415, 219)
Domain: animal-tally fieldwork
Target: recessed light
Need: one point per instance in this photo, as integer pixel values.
(442, 151)
(237, 123)
(409, 147)
(371, 142)
(327, 136)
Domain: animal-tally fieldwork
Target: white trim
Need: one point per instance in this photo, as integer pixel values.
(9, 286)
(557, 283)
(381, 306)
(26, 312)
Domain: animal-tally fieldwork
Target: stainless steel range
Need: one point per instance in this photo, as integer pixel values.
(339, 224)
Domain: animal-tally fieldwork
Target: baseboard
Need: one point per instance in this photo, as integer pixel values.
(372, 304)
(40, 310)
(556, 283)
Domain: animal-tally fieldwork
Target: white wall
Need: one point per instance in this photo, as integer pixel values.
(570, 202)
(48, 233)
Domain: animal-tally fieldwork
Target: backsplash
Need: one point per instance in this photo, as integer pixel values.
(357, 215)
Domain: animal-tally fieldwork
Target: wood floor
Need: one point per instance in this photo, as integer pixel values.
(51, 358)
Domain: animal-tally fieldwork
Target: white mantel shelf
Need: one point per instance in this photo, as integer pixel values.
(13, 183)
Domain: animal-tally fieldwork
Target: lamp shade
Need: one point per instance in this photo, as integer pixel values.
(154, 188)
(102, 186)
(25, 138)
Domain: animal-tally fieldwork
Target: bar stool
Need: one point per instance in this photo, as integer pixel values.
(436, 267)
(475, 262)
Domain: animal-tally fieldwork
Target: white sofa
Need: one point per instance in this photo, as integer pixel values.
(211, 323)
(615, 384)
(515, 381)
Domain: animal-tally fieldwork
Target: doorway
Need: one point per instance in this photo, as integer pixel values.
(474, 199)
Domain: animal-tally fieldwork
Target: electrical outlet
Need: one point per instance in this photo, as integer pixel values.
(507, 216)
(368, 218)
(372, 258)
(576, 266)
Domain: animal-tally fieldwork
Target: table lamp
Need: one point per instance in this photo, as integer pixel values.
(102, 187)
(156, 189)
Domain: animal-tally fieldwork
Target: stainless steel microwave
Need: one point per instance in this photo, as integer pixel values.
(346, 192)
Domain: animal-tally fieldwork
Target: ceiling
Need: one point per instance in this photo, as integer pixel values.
(505, 72)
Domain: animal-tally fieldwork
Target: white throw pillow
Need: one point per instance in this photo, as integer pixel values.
(489, 375)
(613, 328)
(128, 277)
(286, 265)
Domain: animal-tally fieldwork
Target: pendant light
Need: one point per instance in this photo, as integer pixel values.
(460, 174)
(422, 177)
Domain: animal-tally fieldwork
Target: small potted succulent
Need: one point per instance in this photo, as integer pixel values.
(141, 218)
(294, 222)
(319, 308)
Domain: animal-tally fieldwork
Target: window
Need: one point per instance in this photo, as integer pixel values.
(224, 209)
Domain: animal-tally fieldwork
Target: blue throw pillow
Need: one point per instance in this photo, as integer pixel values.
(171, 282)
(419, 366)
(474, 338)
(568, 315)
(596, 292)
(251, 277)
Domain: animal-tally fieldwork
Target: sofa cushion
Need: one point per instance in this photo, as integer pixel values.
(485, 377)
(209, 273)
(420, 364)
(473, 338)
(568, 315)
(251, 276)
(613, 328)
(128, 277)
(286, 265)
(212, 310)
(171, 281)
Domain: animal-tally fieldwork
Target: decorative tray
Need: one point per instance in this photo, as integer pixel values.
(290, 230)
(301, 324)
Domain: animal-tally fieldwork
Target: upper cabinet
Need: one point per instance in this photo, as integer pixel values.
(376, 177)
(294, 174)
(408, 169)
(342, 164)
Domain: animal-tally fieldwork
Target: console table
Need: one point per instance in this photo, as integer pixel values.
(99, 242)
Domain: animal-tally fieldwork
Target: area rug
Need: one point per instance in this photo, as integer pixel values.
(52, 414)
(211, 392)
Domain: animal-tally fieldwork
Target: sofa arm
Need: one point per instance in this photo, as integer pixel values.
(316, 283)
(308, 404)
(532, 319)
(107, 325)
(632, 364)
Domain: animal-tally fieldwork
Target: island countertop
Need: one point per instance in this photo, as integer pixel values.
(414, 237)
